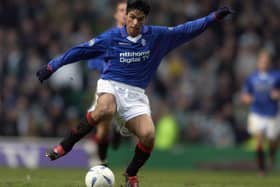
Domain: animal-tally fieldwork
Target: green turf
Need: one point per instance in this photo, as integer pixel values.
(148, 178)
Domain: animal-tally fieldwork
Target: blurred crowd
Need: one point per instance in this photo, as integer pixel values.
(196, 88)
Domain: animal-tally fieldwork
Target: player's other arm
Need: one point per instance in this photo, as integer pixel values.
(246, 98)
(88, 50)
(193, 28)
(247, 92)
(275, 94)
(182, 33)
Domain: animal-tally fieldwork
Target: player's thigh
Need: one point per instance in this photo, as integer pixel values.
(105, 107)
(273, 129)
(142, 126)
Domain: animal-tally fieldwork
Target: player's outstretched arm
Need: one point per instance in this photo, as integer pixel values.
(88, 50)
(175, 36)
(44, 73)
(197, 26)
(223, 12)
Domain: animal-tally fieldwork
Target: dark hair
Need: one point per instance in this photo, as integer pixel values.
(142, 5)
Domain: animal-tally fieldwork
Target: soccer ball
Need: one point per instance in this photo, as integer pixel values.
(99, 176)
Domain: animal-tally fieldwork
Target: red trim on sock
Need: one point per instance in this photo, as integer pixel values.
(49, 68)
(144, 148)
(89, 119)
(92, 137)
(99, 140)
(132, 180)
(59, 150)
(96, 139)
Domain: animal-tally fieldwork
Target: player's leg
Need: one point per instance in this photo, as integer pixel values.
(134, 109)
(102, 140)
(142, 126)
(272, 135)
(256, 127)
(104, 111)
(115, 137)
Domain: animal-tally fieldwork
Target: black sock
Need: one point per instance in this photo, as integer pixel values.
(75, 135)
(260, 158)
(102, 148)
(141, 155)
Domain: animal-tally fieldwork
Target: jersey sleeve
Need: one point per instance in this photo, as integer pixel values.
(248, 87)
(87, 50)
(175, 36)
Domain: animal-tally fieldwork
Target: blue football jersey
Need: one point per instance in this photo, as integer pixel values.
(260, 85)
(133, 61)
(96, 64)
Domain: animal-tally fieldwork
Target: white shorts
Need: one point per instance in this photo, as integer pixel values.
(268, 126)
(131, 101)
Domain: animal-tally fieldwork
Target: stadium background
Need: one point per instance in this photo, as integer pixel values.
(194, 96)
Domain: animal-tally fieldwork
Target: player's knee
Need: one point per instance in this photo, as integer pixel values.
(100, 114)
(148, 138)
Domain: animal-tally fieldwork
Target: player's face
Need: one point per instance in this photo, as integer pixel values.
(120, 14)
(134, 22)
(263, 61)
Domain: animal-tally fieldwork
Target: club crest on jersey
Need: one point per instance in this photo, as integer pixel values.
(143, 41)
(91, 42)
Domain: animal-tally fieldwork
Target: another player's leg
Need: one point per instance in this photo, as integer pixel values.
(97, 146)
(102, 140)
(260, 155)
(115, 137)
(143, 127)
(105, 109)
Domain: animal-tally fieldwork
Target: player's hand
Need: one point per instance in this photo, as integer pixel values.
(275, 94)
(247, 98)
(223, 12)
(44, 73)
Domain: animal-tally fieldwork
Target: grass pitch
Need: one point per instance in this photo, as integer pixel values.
(148, 178)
